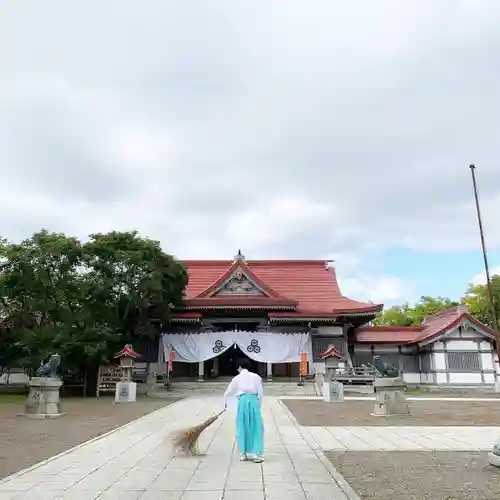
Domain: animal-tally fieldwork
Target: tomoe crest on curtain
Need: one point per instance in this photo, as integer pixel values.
(254, 346)
(218, 346)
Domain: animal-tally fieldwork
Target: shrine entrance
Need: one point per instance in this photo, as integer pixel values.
(226, 365)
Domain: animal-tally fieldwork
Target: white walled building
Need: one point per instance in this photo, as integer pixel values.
(449, 348)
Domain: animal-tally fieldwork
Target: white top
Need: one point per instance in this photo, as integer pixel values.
(245, 383)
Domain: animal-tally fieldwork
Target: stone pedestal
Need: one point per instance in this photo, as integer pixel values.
(390, 397)
(43, 399)
(125, 392)
(333, 391)
(494, 456)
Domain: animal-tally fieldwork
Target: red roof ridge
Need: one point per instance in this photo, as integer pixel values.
(396, 328)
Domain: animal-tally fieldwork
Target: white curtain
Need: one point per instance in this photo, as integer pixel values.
(191, 348)
(264, 347)
(267, 347)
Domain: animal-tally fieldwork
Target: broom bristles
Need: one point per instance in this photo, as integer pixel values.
(186, 440)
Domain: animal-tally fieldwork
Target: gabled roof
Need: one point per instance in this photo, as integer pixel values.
(310, 286)
(128, 351)
(431, 328)
(239, 265)
(331, 352)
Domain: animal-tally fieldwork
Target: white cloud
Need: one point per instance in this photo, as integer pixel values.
(480, 278)
(357, 281)
(329, 132)
(376, 288)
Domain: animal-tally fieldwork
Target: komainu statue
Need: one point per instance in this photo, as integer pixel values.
(384, 369)
(49, 369)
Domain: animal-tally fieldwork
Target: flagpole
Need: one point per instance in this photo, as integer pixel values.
(491, 299)
(485, 255)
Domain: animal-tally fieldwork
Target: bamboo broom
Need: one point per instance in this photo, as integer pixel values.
(186, 440)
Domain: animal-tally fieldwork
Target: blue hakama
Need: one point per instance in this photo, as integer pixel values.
(249, 425)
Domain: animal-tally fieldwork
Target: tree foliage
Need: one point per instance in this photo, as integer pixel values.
(477, 300)
(407, 315)
(134, 284)
(80, 300)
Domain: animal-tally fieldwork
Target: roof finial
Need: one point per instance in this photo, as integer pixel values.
(239, 256)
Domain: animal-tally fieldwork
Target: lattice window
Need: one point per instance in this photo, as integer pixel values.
(464, 361)
(320, 345)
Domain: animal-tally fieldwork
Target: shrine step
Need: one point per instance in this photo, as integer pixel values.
(218, 388)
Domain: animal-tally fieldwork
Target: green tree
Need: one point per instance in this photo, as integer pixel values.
(133, 284)
(44, 302)
(478, 303)
(395, 315)
(407, 315)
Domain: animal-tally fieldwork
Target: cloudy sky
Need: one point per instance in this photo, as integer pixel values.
(289, 129)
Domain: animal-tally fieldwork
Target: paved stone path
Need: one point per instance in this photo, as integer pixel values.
(134, 462)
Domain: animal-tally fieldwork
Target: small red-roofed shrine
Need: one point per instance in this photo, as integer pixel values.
(128, 352)
(273, 311)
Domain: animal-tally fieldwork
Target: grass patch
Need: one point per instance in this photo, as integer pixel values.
(12, 398)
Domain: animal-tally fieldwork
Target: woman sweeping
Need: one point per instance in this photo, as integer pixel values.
(248, 388)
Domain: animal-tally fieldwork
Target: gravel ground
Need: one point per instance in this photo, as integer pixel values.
(25, 442)
(408, 475)
(425, 413)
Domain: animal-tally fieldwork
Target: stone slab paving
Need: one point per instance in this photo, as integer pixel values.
(404, 438)
(135, 462)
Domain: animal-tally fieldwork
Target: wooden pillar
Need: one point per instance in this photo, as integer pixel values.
(269, 371)
(201, 371)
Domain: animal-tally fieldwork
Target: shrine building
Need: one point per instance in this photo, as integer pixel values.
(276, 311)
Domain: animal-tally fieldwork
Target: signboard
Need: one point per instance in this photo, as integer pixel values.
(304, 370)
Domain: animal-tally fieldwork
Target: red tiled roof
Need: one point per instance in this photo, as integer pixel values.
(432, 327)
(239, 301)
(331, 351)
(307, 283)
(387, 334)
(128, 350)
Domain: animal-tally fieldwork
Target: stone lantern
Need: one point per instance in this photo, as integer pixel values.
(333, 390)
(126, 389)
